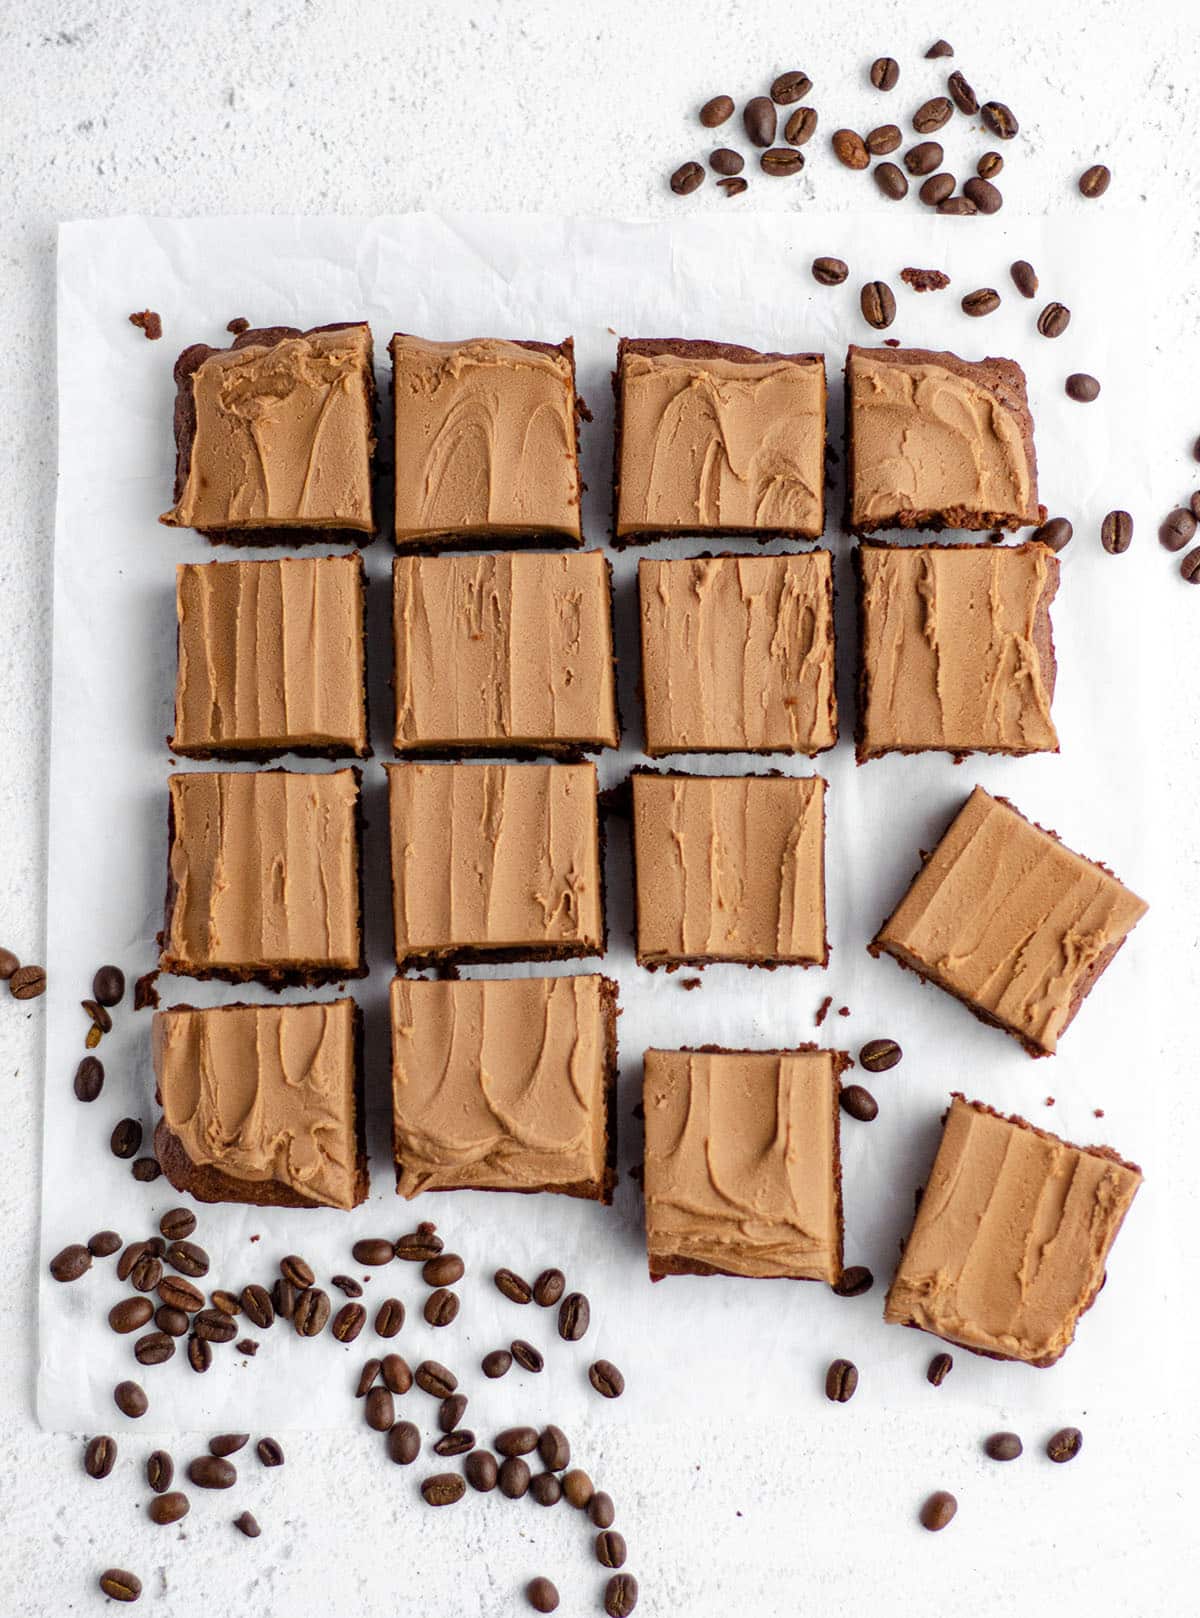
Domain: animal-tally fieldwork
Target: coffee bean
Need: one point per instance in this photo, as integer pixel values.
(451, 1412)
(247, 1346)
(312, 1312)
(1024, 278)
(1081, 387)
(610, 1548)
(129, 1258)
(854, 1281)
(781, 161)
(458, 1442)
(260, 1311)
(517, 1441)
(1054, 320)
(790, 87)
(225, 1444)
(420, 1244)
(173, 1321)
(443, 1271)
(923, 158)
(177, 1224)
(247, 1523)
(99, 1015)
(380, 1409)
(130, 1315)
(999, 119)
(859, 1103)
(891, 181)
(514, 1287)
(983, 302)
(226, 1303)
(269, 1451)
(296, 1270)
(108, 985)
(880, 1055)
(130, 1399)
(1190, 566)
(885, 73)
(160, 1471)
(199, 1353)
(574, 1317)
(959, 207)
(398, 1378)
(403, 1443)
(828, 272)
(1003, 1447)
(146, 1273)
(146, 1169)
(841, 1380)
(879, 142)
(100, 1456)
(497, 1363)
(726, 161)
(481, 1470)
(601, 1510)
(213, 1327)
(71, 1263)
(1116, 532)
(513, 1478)
(989, 165)
(187, 1258)
(526, 1356)
(389, 1317)
(541, 1595)
(155, 1348)
(443, 1489)
(433, 1378)
(606, 1379)
(27, 982)
(177, 1293)
(938, 1511)
(963, 96)
(169, 1508)
(89, 1079)
(347, 1285)
(555, 1449)
(371, 1250)
(850, 149)
(104, 1244)
(1094, 182)
(441, 1307)
(620, 1595)
(212, 1472)
(687, 178)
(938, 48)
(9, 963)
(939, 1369)
(801, 126)
(119, 1585)
(283, 1299)
(366, 1378)
(577, 1489)
(984, 195)
(937, 189)
(878, 304)
(348, 1322)
(732, 187)
(126, 1138)
(1064, 1445)
(545, 1489)
(1176, 529)
(759, 118)
(716, 111)
(932, 115)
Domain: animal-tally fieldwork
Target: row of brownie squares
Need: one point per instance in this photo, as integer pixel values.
(275, 440)
(504, 862)
(513, 654)
(509, 1085)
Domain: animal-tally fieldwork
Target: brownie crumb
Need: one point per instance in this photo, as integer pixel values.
(689, 983)
(925, 280)
(148, 321)
(1097, 1112)
(248, 1346)
(843, 1011)
(891, 342)
(447, 972)
(238, 325)
(145, 995)
(823, 1010)
(1049, 1101)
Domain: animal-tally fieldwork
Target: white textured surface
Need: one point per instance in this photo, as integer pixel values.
(139, 109)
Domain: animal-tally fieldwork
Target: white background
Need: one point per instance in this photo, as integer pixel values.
(800, 1508)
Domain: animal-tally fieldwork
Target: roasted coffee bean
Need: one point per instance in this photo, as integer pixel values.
(732, 187)
(514, 1287)
(1003, 1447)
(1094, 182)
(130, 1314)
(27, 982)
(551, 1284)
(880, 1055)
(433, 1378)
(1081, 387)
(177, 1224)
(620, 1595)
(760, 119)
(297, 1270)
(983, 194)
(1056, 533)
(458, 1442)
(545, 1489)
(726, 161)
(443, 1271)
(199, 1353)
(89, 1079)
(441, 1307)
(829, 272)
(247, 1523)
(1024, 278)
(451, 1412)
(160, 1471)
(9, 963)
(380, 1409)
(225, 1444)
(923, 158)
(126, 1138)
(247, 1346)
(517, 1441)
(781, 161)
(212, 1472)
(173, 1321)
(348, 1322)
(312, 1312)
(854, 1281)
(100, 1456)
(879, 142)
(187, 1258)
(541, 1595)
(420, 1244)
(962, 94)
(481, 1470)
(939, 1369)
(513, 1477)
(610, 1548)
(389, 1317)
(1176, 529)
(403, 1443)
(601, 1509)
(938, 188)
(372, 1250)
(938, 48)
(1064, 1445)
(99, 1015)
(165, 1509)
(146, 1273)
(260, 1311)
(1190, 566)
(1054, 320)
(129, 1258)
(932, 115)
(885, 73)
(716, 111)
(108, 985)
(214, 1327)
(104, 1244)
(850, 149)
(841, 1380)
(938, 1511)
(366, 1378)
(606, 1379)
(688, 177)
(71, 1262)
(577, 1489)
(398, 1378)
(146, 1169)
(130, 1399)
(958, 207)
(177, 1293)
(283, 1298)
(982, 302)
(999, 119)
(443, 1489)
(119, 1585)
(1116, 532)
(269, 1451)
(496, 1363)
(347, 1284)
(574, 1318)
(155, 1348)
(891, 181)
(989, 165)
(790, 87)
(801, 126)
(555, 1448)
(526, 1356)
(858, 1101)
(878, 304)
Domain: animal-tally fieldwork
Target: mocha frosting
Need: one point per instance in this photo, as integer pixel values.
(956, 648)
(485, 439)
(729, 868)
(283, 435)
(495, 857)
(1009, 920)
(501, 1084)
(741, 1169)
(513, 649)
(737, 654)
(270, 655)
(263, 872)
(936, 437)
(708, 443)
(1011, 1237)
(264, 1094)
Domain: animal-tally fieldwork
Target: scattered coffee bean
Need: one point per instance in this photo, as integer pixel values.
(801, 126)
(71, 1263)
(891, 181)
(790, 87)
(1056, 533)
(574, 1317)
(481, 1471)
(146, 1273)
(348, 1322)
(420, 1244)
(878, 304)
(146, 1169)
(732, 187)
(389, 1317)
(885, 73)
(937, 189)
(983, 194)
(130, 1399)
(989, 165)
(212, 1472)
(451, 1412)
(433, 1378)
(1081, 387)
(1000, 120)
(963, 96)
(526, 1356)
(130, 1315)
(155, 1348)
(100, 1456)
(1064, 1445)
(347, 1285)
(173, 1321)
(828, 272)
(781, 161)
(366, 1378)
(726, 161)
(199, 1353)
(517, 1441)
(108, 985)
(858, 1101)
(960, 207)
(372, 1250)
(404, 1443)
(541, 1595)
(496, 1363)
(610, 1548)
(441, 1307)
(514, 1287)
(1024, 278)
(458, 1442)
(228, 1443)
(247, 1346)
(1003, 1447)
(601, 1510)
(160, 1471)
(444, 1270)
(247, 1523)
(394, 1369)
(939, 1369)
(126, 1138)
(283, 1298)
(27, 982)
(923, 158)
(119, 1585)
(759, 118)
(1116, 532)
(854, 1282)
(297, 1270)
(983, 302)
(269, 1451)
(606, 1379)
(168, 1508)
(99, 1015)
(104, 1244)
(938, 48)
(89, 1079)
(1193, 507)
(1190, 566)
(880, 1055)
(555, 1448)
(177, 1293)
(577, 1489)
(841, 1380)
(513, 1478)
(188, 1258)
(1054, 320)
(9, 963)
(129, 1258)
(932, 115)
(549, 1288)
(177, 1224)
(1176, 529)
(938, 1511)
(260, 1311)
(883, 140)
(850, 149)
(717, 111)
(620, 1595)
(688, 177)
(545, 1489)
(1093, 182)
(443, 1489)
(312, 1312)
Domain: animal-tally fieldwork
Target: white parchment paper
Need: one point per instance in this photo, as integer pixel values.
(679, 1342)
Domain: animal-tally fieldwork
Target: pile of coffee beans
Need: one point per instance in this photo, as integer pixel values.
(779, 146)
(24, 982)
